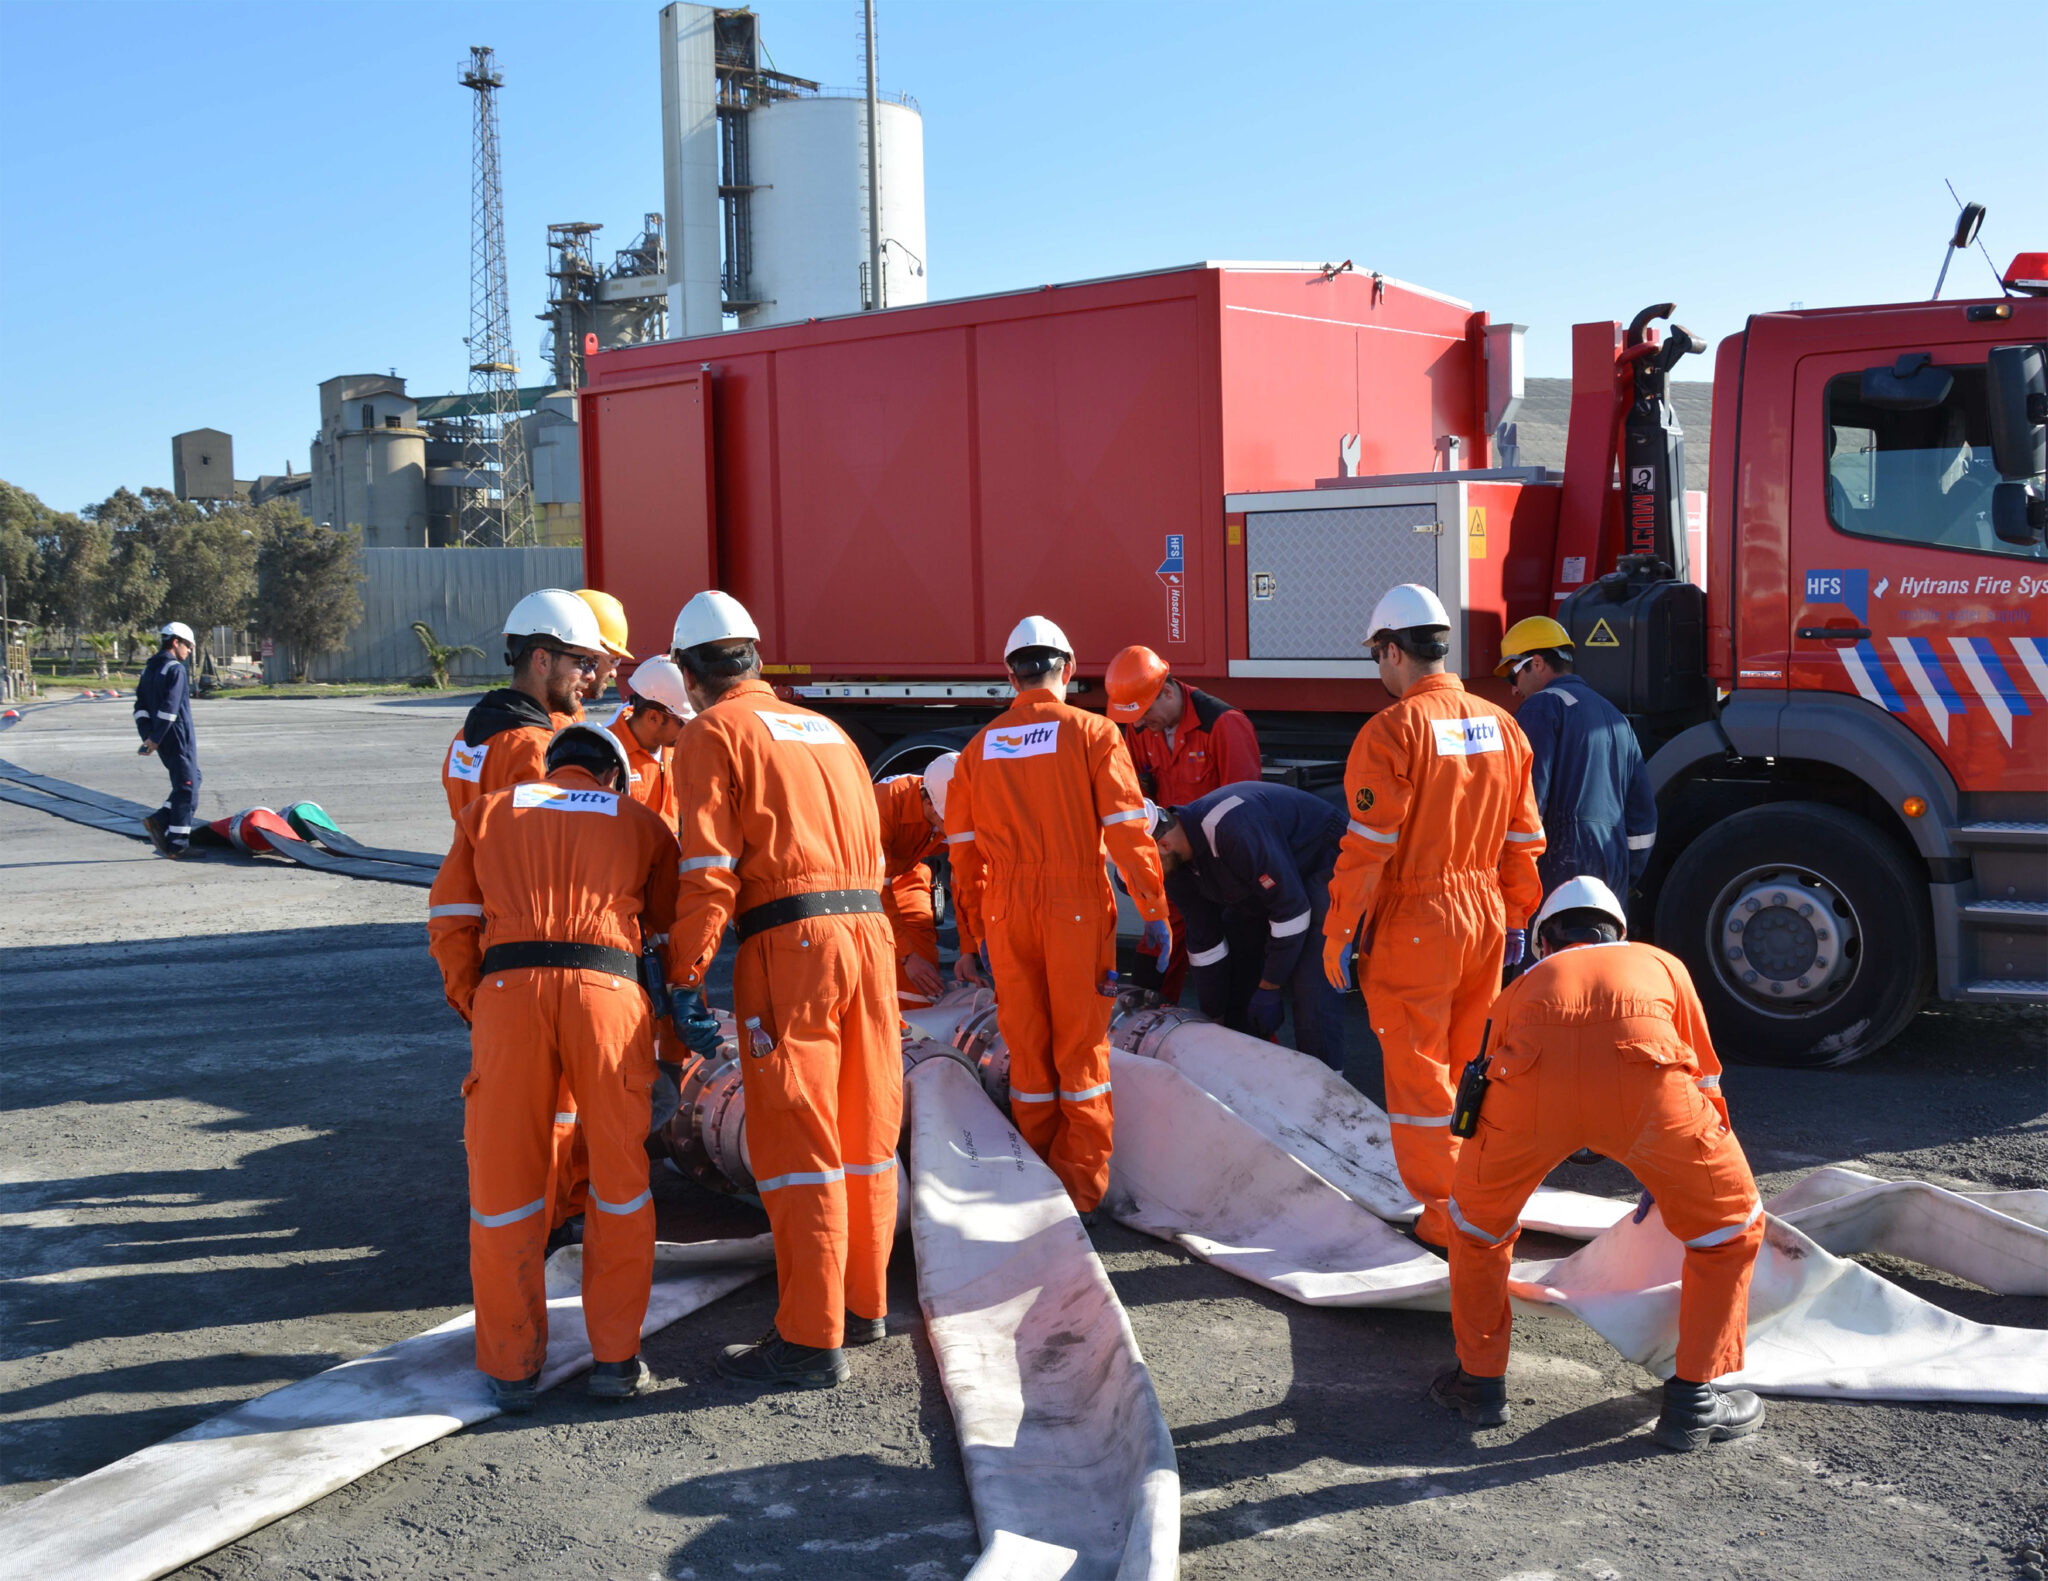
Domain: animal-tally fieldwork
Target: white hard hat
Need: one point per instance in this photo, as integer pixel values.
(659, 681)
(713, 616)
(1035, 631)
(1584, 893)
(554, 612)
(938, 774)
(1152, 811)
(1410, 604)
(177, 628)
(579, 734)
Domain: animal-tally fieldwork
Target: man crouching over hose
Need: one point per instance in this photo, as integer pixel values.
(537, 920)
(780, 835)
(1603, 1044)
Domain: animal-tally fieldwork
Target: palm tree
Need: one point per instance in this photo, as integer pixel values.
(440, 654)
(105, 645)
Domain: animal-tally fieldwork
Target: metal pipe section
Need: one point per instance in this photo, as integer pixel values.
(874, 171)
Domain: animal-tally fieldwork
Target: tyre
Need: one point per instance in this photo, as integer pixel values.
(1805, 930)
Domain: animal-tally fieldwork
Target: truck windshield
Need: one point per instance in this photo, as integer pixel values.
(1916, 476)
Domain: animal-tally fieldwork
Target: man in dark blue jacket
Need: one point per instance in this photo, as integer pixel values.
(163, 718)
(1248, 867)
(1599, 818)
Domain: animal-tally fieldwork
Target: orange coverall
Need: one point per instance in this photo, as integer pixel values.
(777, 802)
(907, 839)
(565, 862)
(1439, 861)
(1034, 799)
(652, 785)
(1605, 1046)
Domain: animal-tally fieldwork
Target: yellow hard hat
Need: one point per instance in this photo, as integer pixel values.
(611, 620)
(1526, 636)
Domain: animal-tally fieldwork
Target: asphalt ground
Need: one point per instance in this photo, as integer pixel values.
(231, 1156)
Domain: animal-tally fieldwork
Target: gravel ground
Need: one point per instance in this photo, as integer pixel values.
(230, 1156)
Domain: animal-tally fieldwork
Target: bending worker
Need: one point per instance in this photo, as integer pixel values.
(163, 718)
(1599, 817)
(1031, 804)
(648, 727)
(537, 919)
(912, 810)
(1435, 881)
(611, 631)
(779, 835)
(1184, 744)
(1259, 854)
(1607, 1048)
(552, 644)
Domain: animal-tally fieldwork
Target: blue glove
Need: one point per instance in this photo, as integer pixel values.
(1265, 1012)
(695, 1024)
(1158, 943)
(1643, 1209)
(981, 955)
(1516, 950)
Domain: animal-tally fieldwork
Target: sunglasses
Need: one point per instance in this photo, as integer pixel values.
(586, 662)
(1516, 673)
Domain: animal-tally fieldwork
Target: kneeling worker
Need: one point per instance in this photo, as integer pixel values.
(1260, 853)
(647, 727)
(1032, 803)
(1606, 1048)
(537, 919)
(912, 808)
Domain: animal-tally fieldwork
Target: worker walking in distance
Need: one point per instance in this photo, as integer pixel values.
(537, 920)
(1434, 882)
(1592, 787)
(1260, 855)
(648, 727)
(612, 638)
(163, 718)
(912, 810)
(1603, 1044)
(779, 835)
(1184, 744)
(1032, 802)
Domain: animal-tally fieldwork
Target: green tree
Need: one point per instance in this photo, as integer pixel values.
(106, 646)
(21, 551)
(440, 654)
(306, 583)
(202, 559)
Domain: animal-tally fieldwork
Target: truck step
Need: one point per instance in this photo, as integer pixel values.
(2000, 990)
(2007, 913)
(2008, 832)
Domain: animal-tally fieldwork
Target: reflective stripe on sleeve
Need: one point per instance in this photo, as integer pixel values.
(799, 1177)
(960, 839)
(458, 909)
(1524, 839)
(1122, 817)
(1209, 957)
(1084, 1094)
(1292, 926)
(634, 1206)
(1708, 1084)
(1389, 838)
(1641, 842)
(141, 713)
(1458, 1218)
(1420, 1119)
(1031, 1097)
(162, 715)
(1700, 1243)
(565, 1117)
(695, 864)
(882, 1168)
(493, 1221)
(657, 938)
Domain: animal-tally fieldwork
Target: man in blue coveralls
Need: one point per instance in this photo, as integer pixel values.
(1599, 818)
(163, 718)
(1248, 867)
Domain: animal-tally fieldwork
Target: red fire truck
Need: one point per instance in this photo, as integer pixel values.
(1841, 682)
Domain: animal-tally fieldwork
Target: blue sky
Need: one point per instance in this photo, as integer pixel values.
(207, 209)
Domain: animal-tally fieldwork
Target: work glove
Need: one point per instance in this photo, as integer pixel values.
(1337, 963)
(1515, 951)
(1158, 943)
(695, 1024)
(1262, 1017)
(1643, 1209)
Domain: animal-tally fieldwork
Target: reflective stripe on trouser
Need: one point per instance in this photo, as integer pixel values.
(1430, 978)
(1049, 942)
(569, 1189)
(824, 1111)
(181, 806)
(1653, 1120)
(535, 1033)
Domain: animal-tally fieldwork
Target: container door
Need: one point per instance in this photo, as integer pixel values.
(652, 497)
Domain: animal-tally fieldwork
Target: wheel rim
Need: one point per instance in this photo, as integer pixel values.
(1784, 940)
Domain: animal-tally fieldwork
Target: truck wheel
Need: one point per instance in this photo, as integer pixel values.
(1805, 931)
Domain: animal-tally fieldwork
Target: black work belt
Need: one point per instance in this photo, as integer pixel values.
(545, 952)
(819, 903)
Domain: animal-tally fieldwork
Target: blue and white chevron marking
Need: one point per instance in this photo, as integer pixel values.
(1979, 659)
(1866, 674)
(2033, 656)
(1930, 682)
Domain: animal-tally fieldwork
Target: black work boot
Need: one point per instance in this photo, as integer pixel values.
(515, 1396)
(154, 826)
(1696, 1415)
(1480, 1401)
(773, 1359)
(866, 1330)
(618, 1380)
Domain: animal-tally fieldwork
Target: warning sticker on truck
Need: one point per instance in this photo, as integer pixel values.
(1173, 572)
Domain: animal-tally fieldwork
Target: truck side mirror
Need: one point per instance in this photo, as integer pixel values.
(2019, 410)
(1967, 224)
(2018, 515)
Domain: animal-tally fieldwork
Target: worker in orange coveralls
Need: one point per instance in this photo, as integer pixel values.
(779, 834)
(1184, 744)
(1434, 884)
(1032, 802)
(913, 817)
(1603, 1044)
(537, 919)
(648, 725)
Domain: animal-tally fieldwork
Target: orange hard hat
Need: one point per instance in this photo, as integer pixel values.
(1134, 679)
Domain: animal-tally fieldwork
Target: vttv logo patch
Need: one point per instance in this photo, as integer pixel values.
(466, 762)
(1460, 738)
(560, 798)
(807, 728)
(1020, 741)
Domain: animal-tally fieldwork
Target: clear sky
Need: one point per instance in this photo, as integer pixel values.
(207, 209)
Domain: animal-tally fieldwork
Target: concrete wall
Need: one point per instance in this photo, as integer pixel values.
(463, 594)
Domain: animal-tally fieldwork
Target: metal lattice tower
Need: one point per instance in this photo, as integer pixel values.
(498, 507)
